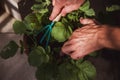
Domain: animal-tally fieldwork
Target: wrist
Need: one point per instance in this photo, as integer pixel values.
(108, 37)
(104, 36)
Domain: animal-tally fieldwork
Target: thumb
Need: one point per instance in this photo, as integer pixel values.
(56, 10)
(53, 2)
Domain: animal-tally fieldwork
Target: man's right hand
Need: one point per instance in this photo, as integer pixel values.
(64, 6)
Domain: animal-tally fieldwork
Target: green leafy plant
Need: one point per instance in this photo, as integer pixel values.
(46, 58)
(113, 8)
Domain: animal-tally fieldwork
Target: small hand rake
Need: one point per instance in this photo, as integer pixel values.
(48, 29)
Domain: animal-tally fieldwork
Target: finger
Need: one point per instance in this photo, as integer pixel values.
(69, 47)
(53, 2)
(77, 55)
(87, 21)
(71, 41)
(55, 12)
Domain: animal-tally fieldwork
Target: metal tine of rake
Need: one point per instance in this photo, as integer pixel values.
(47, 33)
(49, 29)
(49, 36)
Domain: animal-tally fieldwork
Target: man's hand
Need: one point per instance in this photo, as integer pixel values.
(64, 6)
(83, 40)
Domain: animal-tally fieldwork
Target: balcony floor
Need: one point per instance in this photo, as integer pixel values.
(17, 67)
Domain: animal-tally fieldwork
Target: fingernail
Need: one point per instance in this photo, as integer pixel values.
(50, 18)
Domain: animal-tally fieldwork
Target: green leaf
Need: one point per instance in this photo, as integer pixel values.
(82, 76)
(90, 12)
(42, 8)
(19, 27)
(47, 72)
(85, 6)
(43, 11)
(71, 17)
(64, 21)
(87, 69)
(38, 56)
(67, 71)
(113, 8)
(9, 50)
(32, 22)
(37, 7)
(48, 2)
(86, 9)
(74, 16)
(39, 17)
(45, 1)
(60, 32)
(78, 62)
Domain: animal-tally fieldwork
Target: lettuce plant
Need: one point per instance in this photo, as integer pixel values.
(50, 64)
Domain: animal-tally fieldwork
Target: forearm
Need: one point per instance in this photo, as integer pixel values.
(109, 37)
